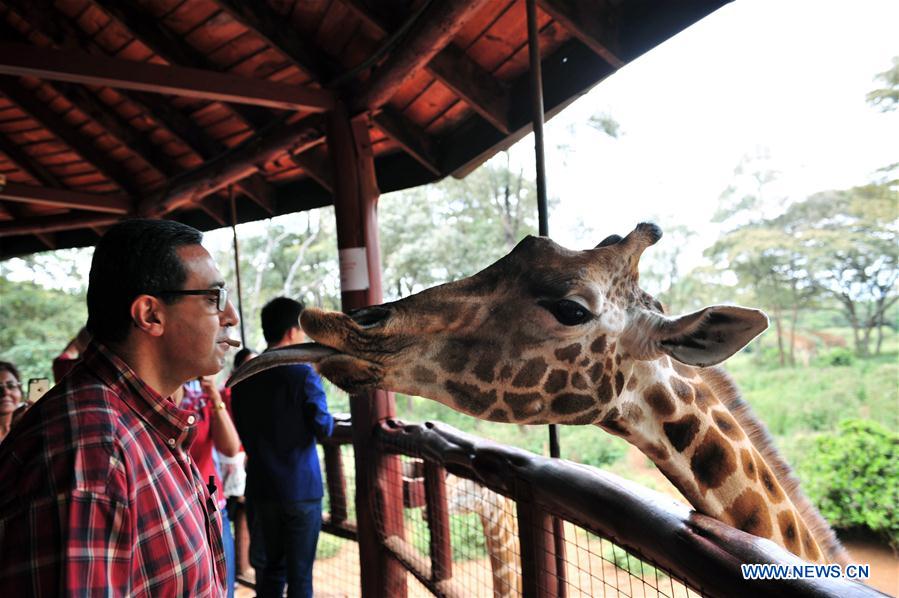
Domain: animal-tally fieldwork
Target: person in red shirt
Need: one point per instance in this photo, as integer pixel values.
(98, 495)
(215, 432)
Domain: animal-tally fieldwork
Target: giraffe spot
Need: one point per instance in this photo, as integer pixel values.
(656, 451)
(498, 415)
(612, 422)
(770, 483)
(569, 353)
(604, 392)
(748, 464)
(750, 514)
(786, 521)
(687, 371)
(618, 359)
(632, 383)
(571, 403)
(619, 382)
(633, 413)
(524, 405)
(608, 363)
(469, 398)
(595, 372)
(727, 424)
(584, 362)
(811, 549)
(506, 372)
(659, 399)
(583, 419)
(599, 345)
(556, 381)
(423, 375)
(681, 432)
(530, 373)
(484, 369)
(578, 381)
(713, 460)
(703, 396)
(682, 390)
(454, 355)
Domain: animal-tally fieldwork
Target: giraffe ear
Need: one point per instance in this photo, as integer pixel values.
(706, 337)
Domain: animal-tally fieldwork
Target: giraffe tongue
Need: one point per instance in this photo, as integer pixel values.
(302, 353)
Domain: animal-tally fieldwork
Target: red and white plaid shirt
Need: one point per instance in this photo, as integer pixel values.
(99, 496)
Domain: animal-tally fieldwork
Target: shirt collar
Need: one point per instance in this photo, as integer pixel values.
(173, 423)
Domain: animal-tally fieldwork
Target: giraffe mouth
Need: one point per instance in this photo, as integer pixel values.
(352, 374)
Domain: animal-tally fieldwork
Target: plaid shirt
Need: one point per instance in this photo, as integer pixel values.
(98, 495)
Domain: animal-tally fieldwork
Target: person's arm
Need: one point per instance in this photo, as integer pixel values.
(98, 546)
(317, 406)
(224, 434)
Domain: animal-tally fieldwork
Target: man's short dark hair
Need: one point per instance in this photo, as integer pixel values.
(278, 316)
(134, 257)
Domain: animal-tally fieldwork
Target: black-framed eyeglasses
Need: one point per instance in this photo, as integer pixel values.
(10, 385)
(220, 294)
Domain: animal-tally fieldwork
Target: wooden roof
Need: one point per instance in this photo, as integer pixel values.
(114, 108)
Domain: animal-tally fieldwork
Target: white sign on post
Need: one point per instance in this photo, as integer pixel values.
(353, 269)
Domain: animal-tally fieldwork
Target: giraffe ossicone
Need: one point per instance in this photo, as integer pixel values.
(551, 335)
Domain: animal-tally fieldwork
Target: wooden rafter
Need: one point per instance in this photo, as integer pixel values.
(237, 164)
(259, 191)
(49, 224)
(29, 103)
(261, 19)
(317, 165)
(438, 24)
(488, 96)
(596, 28)
(27, 163)
(64, 198)
(88, 69)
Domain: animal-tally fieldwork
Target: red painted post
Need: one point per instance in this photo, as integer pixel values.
(379, 488)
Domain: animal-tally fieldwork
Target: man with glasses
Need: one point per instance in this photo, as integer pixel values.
(98, 494)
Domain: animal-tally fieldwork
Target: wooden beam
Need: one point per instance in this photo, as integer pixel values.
(487, 95)
(173, 49)
(239, 163)
(259, 191)
(215, 210)
(64, 198)
(88, 69)
(317, 165)
(104, 115)
(596, 27)
(48, 224)
(28, 164)
(412, 139)
(262, 20)
(28, 102)
(439, 23)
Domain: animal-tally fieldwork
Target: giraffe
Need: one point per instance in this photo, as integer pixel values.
(500, 527)
(551, 335)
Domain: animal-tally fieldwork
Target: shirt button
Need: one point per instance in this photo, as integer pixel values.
(191, 419)
(171, 442)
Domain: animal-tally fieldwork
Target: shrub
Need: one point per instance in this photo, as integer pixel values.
(853, 478)
(837, 356)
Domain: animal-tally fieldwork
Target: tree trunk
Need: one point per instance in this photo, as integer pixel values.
(794, 316)
(780, 341)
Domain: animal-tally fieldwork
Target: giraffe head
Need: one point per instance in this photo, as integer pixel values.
(537, 337)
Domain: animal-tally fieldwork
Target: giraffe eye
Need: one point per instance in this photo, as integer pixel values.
(567, 312)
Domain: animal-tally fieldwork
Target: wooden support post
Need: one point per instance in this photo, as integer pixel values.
(535, 534)
(336, 483)
(438, 522)
(379, 486)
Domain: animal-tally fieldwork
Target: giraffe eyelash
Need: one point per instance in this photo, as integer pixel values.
(567, 312)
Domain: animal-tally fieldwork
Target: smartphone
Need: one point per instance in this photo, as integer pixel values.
(37, 387)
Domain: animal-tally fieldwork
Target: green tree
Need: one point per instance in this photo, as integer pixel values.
(887, 98)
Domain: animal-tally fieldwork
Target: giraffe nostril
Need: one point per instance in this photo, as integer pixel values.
(368, 317)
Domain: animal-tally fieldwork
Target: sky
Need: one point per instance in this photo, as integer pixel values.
(784, 78)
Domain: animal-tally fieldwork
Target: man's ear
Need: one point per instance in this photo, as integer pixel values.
(147, 315)
(703, 338)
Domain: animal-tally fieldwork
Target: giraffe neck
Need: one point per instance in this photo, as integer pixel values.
(501, 538)
(714, 455)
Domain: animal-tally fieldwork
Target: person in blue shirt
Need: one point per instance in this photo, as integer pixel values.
(279, 414)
